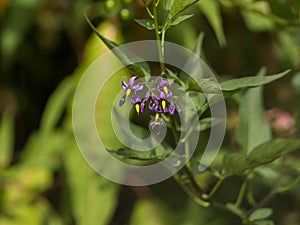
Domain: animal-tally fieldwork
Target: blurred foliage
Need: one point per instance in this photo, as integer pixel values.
(46, 45)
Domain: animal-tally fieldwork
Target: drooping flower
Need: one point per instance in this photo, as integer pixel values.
(164, 89)
(128, 88)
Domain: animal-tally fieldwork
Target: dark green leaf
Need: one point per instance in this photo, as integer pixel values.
(263, 222)
(155, 154)
(235, 163)
(249, 82)
(261, 214)
(140, 69)
(203, 86)
(273, 149)
(147, 23)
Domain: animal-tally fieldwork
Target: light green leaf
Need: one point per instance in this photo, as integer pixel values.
(211, 9)
(198, 46)
(140, 69)
(6, 138)
(93, 198)
(261, 214)
(296, 82)
(180, 19)
(147, 23)
(253, 129)
(57, 104)
(249, 82)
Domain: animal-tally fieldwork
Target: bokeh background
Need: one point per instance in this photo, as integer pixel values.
(45, 47)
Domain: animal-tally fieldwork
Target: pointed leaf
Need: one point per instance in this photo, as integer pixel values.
(260, 214)
(249, 82)
(140, 69)
(211, 10)
(180, 19)
(147, 23)
(177, 7)
(250, 123)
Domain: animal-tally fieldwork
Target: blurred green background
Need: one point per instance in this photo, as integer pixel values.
(45, 47)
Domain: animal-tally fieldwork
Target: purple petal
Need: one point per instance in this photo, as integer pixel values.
(135, 99)
(137, 87)
(142, 107)
(122, 100)
(163, 83)
(172, 109)
(124, 85)
(131, 80)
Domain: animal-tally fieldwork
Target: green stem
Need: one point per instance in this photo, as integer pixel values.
(215, 188)
(288, 187)
(241, 194)
(157, 32)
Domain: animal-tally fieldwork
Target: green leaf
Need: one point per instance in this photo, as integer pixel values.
(180, 19)
(273, 149)
(57, 104)
(177, 7)
(93, 198)
(157, 154)
(211, 9)
(6, 138)
(296, 82)
(261, 214)
(140, 69)
(147, 23)
(264, 222)
(250, 82)
(236, 163)
(206, 85)
(250, 123)
(198, 46)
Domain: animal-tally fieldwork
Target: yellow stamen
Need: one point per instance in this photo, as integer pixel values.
(163, 104)
(156, 116)
(128, 91)
(166, 90)
(137, 108)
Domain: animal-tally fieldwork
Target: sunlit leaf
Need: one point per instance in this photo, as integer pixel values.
(6, 138)
(93, 198)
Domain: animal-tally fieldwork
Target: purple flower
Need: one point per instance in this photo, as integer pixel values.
(164, 89)
(138, 103)
(128, 88)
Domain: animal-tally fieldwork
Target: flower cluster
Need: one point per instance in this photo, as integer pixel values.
(157, 96)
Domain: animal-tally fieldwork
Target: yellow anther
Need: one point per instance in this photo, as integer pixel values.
(137, 108)
(128, 91)
(163, 104)
(166, 90)
(156, 116)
